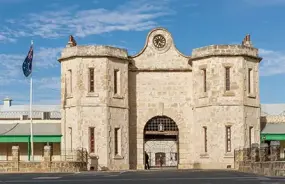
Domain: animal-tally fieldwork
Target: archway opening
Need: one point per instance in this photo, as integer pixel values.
(161, 142)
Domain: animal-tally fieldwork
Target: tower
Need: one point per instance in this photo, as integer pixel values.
(94, 93)
(226, 101)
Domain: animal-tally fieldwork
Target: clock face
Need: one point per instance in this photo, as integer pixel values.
(159, 41)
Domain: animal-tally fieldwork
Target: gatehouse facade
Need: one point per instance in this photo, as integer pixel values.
(183, 111)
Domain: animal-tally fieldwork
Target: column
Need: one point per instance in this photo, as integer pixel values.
(15, 157)
(15, 153)
(263, 152)
(274, 150)
(47, 153)
(254, 152)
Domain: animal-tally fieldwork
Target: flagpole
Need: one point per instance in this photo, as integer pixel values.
(31, 114)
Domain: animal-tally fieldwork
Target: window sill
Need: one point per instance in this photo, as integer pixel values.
(204, 95)
(118, 157)
(92, 95)
(69, 96)
(229, 155)
(251, 95)
(229, 93)
(93, 156)
(204, 155)
(118, 97)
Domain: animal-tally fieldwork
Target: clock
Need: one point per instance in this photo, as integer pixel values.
(159, 41)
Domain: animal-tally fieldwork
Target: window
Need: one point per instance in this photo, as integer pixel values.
(250, 135)
(117, 141)
(228, 139)
(227, 79)
(205, 139)
(25, 117)
(70, 82)
(70, 134)
(116, 81)
(92, 139)
(204, 80)
(250, 80)
(46, 115)
(91, 80)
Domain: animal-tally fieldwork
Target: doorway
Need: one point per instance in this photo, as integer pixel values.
(161, 142)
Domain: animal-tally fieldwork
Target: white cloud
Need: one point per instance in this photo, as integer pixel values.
(48, 83)
(273, 62)
(11, 64)
(47, 57)
(4, 38)
(135, 15)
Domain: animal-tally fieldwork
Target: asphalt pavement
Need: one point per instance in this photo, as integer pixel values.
(143, 177)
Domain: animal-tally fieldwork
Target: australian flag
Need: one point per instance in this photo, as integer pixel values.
(27, 64)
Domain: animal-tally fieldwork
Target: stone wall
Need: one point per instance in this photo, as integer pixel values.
(45, 166)
(261, 160)
(59, 166)
(160, 84)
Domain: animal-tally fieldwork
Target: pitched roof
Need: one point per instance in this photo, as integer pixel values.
(16, 111)
(273, 128)
(24, 129)
(272, 109)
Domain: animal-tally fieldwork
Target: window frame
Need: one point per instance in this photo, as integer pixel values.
(227, 78)
(205, 139)
(204, 80)
(92, 139)
(228, 139)
(91, 80)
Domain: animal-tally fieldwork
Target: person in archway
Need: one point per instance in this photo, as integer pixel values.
(146, 160)
(160, 160)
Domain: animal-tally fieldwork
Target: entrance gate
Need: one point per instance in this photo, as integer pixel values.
(161, 142)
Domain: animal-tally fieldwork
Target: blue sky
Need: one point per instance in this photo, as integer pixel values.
(192, 23)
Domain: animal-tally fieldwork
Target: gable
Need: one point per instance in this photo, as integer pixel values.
(159, 53)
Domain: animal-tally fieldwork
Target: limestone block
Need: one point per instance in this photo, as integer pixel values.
(47, 153)
(254, 153)
(274, 151)
(263, 152)
(15, 153)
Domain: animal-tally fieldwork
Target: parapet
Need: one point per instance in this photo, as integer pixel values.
(225, 50)
(93, 51)
(73, 50)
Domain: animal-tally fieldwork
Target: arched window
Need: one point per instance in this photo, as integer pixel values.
(160, 124)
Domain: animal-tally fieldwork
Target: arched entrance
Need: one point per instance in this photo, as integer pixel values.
(161, 142)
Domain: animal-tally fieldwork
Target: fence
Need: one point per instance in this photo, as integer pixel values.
(77, 162)
(261, 159)
(75, 155)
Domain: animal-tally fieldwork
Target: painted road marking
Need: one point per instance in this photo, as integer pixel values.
(46, 178)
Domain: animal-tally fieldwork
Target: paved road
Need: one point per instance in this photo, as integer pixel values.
(143, 177)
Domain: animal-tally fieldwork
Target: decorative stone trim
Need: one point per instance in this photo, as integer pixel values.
(169, 42)
(160, 69)
(229, 93)
(93, 51)
(225, 50)
(204, 155)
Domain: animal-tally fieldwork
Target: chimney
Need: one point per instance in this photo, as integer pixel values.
(7, 102)
(246, 41)
(71, 42)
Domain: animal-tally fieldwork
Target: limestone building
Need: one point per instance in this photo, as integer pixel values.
(15, 131)
(183, 111)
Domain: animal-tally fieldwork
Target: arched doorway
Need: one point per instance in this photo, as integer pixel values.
(161, 142)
